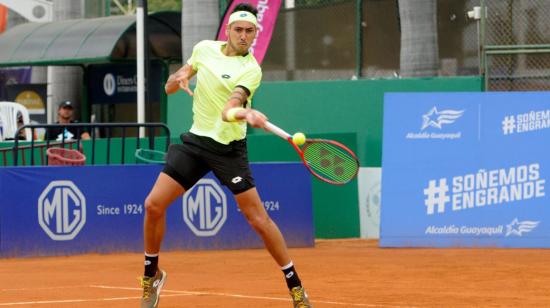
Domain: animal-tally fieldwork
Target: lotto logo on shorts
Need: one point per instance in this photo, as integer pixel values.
(205, 208)
(62, 210)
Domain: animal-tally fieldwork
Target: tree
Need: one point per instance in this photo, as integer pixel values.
(163, 5)
(119, 7)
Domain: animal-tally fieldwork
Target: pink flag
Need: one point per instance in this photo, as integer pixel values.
(267, 16)
(3, 18)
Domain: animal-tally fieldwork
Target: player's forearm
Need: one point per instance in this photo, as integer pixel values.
(233, 114)
(233, 110)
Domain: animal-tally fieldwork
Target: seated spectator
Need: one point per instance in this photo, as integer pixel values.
(65, 114)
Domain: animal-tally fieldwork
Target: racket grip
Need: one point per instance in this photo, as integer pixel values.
(277, 130)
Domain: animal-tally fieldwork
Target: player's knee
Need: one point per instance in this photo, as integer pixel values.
(153, 209)
(259, 223)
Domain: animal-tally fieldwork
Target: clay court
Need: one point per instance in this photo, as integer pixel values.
(336, 273)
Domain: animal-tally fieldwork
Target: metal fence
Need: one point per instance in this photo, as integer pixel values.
(34, 152)
(508, 44)
(348, 39)
(516, 37)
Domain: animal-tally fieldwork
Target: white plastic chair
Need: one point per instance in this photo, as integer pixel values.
(8, 116)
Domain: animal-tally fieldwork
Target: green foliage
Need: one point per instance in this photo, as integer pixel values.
(163, 5)
(121, 7)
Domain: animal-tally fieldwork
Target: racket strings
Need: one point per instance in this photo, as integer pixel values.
(331, 161)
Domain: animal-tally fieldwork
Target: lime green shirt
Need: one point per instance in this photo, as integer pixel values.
(217, 77)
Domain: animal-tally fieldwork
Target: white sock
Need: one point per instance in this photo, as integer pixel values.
(289, 265)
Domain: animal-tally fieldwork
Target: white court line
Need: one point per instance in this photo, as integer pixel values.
(254, 297)
(173, 294)
(69, 301)
(45, 288)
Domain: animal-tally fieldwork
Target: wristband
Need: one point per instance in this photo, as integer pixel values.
(231, 113)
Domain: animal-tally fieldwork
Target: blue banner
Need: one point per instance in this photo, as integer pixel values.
(71, 210)
(466, 169)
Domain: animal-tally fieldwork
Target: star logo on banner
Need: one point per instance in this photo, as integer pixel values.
(517, 227)
(435, 118)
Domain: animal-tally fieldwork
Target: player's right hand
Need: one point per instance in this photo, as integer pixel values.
(183, 83)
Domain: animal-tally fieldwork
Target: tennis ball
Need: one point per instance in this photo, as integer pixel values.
(299, 138)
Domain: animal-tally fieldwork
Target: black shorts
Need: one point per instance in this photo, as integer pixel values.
(187, 163)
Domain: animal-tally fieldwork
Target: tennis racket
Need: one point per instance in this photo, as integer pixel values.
(327, 160)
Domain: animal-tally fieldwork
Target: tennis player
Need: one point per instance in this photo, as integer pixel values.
(227, 77)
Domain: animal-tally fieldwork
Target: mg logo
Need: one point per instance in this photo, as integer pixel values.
(61, 210)
(205, 208)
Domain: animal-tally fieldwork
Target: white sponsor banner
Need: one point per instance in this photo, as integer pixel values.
(369, 181)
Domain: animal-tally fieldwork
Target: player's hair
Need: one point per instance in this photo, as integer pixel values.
(246, 7)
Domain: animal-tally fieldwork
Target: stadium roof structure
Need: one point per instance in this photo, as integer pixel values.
(86, 41)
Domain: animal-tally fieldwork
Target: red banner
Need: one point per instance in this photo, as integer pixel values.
(3, 18)
(267, 17)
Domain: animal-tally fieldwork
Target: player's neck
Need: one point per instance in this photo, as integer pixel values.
(228, 51)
